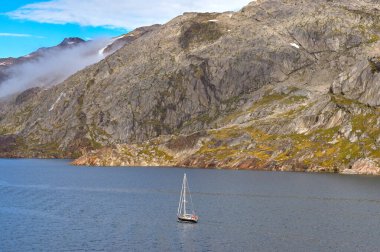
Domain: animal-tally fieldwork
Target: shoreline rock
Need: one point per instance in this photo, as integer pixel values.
(363, 166)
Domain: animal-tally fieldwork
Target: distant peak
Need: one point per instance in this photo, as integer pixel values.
(71, 41)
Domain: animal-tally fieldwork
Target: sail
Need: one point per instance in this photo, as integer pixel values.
(185, 195)
(180, 204)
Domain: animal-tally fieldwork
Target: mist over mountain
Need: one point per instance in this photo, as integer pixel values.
(50, 66)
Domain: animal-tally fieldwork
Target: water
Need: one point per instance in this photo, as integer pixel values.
(47, 205)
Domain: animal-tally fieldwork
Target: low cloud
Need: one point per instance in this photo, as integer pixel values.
(118, 14)
(52, 67)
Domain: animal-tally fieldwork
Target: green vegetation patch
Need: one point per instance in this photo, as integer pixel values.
(343, 101)
(374, 63)
(321, 148)
(373, 39)
(267, 100)
(97, 134)
(199, 32)
(150, 152)
(5, 130)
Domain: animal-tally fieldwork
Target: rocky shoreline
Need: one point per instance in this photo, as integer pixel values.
(361, 167)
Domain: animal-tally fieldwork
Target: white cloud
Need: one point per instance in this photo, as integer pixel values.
(118, 13)
(21, 35)
(14, 35)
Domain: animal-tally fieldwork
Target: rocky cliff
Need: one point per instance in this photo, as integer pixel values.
(280, 85)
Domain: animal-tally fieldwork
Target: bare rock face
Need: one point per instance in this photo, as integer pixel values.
(361, 83)
(364, 166)
(279, 85)
(8, 143)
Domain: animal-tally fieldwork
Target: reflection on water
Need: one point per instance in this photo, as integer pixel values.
(47, 205)
(186, 230)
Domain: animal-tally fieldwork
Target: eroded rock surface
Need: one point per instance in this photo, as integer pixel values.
(279, 85)
(364, 166)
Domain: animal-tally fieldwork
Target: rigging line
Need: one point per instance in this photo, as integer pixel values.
(191, 199)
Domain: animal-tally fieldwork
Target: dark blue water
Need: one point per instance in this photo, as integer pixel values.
(47, 205)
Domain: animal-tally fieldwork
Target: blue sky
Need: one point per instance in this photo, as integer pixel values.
(26, 25)
(21, 37)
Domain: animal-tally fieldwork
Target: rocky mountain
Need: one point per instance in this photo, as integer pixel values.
(280, 85)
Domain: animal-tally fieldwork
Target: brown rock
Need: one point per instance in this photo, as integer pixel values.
(364, 166)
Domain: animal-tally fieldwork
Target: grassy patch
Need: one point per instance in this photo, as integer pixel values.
(162, 154)
(150, 152)
(373, 39)
(268, 99)
(199, 32)
(5, 130)
(343, 101)
(97, 134)
(294, 99)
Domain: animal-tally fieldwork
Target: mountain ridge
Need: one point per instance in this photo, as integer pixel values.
(65, 42)
(6, 63)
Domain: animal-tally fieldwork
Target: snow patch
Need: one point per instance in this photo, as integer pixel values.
(295, 45)
(58, 99)
(101, 51)
(213, 20)
(70, 43)
(3, 64)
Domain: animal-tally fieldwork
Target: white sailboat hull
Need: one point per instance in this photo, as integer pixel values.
(188, 218)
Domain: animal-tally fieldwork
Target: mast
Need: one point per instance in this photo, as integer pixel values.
(184, 194)
(180, 202)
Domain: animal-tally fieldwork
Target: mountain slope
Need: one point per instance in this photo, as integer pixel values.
(279, 85)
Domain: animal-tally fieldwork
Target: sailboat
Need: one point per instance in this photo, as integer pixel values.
(183, 214)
